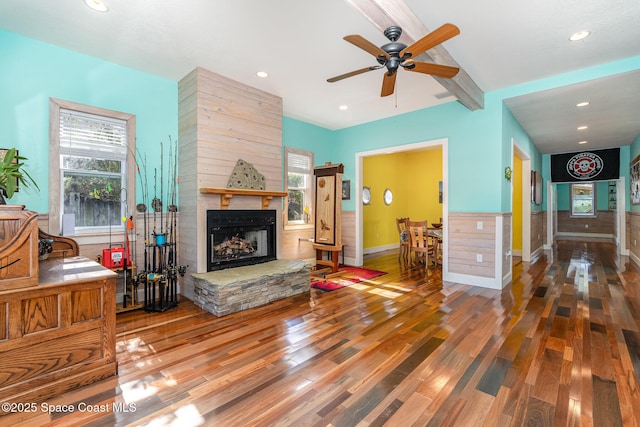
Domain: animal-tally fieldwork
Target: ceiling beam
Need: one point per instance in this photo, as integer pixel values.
(384, 13)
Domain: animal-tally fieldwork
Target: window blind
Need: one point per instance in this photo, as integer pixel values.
(82, 134)
(298, 163)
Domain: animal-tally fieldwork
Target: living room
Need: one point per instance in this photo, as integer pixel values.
(478, 147)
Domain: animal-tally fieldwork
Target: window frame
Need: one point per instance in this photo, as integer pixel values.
(309, 189)
(593, 212)
(55, 171)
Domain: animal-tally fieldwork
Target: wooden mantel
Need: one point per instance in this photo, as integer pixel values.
(226, 194)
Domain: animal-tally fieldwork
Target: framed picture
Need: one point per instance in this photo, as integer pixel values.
(346, 190)
(634, 181)
(3, 152)
(536, 188)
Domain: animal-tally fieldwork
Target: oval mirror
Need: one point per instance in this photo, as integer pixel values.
(388, 197)
(366, 195)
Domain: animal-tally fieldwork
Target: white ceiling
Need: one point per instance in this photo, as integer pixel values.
(299, 43)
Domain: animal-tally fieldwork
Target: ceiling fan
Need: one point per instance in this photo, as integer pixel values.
(396, 54)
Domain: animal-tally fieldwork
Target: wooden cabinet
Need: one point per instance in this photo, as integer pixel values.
(58, 334)
(18, 247)
(328, 206)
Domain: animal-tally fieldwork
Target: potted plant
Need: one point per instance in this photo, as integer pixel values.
(13, 174)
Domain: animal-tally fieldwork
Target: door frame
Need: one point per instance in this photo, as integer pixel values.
(359, 156)
(526, 199)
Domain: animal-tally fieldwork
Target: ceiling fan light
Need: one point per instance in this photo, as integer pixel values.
(580, 35)
(97, 5)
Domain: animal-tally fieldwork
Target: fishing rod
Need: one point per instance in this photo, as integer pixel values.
(169, 190)
(155, 204)
(161, 182)
(142, 207)
(125, 266)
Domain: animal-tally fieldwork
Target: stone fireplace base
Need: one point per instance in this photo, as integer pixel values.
(227, 291)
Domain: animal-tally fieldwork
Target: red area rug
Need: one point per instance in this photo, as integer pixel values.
(350, 276)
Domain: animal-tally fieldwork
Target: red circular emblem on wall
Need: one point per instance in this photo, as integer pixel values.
(584, 166)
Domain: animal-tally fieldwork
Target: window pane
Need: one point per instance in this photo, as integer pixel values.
(94, 199)
(582, 199)
(299, 185)
(295, 180)
(91, 164)
(296, 205)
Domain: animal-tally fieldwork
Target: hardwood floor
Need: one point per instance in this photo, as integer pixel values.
(558, 347)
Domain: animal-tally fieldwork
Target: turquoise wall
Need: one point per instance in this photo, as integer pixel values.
(305, 136)
(475, 159)
(511, 129)
(33, 71)
(479, 141)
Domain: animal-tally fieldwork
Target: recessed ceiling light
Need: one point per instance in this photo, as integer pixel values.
(582, 142)
(579, 36)
(582, 104)
(262, 74)
(583, 127)
(343, 107)
(98, 5)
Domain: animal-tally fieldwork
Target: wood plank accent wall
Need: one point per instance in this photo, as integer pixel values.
(507, 223)
(297, 244)
(603, 223)
(634, 237)
(221, 121)
(538, 230)
(465, 241)
(349, 234)
(627, 223)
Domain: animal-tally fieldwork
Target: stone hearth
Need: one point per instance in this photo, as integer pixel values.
(227, 291)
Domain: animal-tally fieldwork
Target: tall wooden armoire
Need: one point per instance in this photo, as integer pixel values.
(328, 213)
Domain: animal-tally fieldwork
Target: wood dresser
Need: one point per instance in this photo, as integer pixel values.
(59, 333)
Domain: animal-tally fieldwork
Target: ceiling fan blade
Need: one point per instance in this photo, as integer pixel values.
(388, 84)
(434, 69)
(351, 74)
(432, 39)
(366, 45)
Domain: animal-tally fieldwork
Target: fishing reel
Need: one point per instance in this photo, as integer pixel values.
(182, 269)
(173, 271)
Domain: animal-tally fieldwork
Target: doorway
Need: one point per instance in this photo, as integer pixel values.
(521, 203)
(441, 143)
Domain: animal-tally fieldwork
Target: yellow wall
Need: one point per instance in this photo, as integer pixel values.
(413, 178)
(516, 182)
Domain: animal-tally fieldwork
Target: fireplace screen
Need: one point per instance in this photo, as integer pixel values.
(240, 237)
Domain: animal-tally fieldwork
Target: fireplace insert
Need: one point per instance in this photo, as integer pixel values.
(240, 237)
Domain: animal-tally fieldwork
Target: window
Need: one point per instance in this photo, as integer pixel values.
(92, 166)
(299, 167)
(583, 199)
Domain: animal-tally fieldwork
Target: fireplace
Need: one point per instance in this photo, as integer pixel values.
(240, 237)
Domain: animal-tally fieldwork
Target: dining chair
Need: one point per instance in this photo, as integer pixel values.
(419, 241)
(403, 236)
